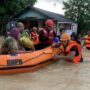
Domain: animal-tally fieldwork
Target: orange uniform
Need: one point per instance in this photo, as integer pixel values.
(87, 41)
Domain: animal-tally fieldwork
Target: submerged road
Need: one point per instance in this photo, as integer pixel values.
(57, 76)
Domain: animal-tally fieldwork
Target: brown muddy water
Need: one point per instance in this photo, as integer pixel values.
(57, 76)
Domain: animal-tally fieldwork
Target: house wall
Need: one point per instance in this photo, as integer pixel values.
(66, 25)
(74, 27)
(40, 19)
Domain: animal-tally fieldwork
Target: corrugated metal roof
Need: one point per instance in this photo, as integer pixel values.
(48, 14)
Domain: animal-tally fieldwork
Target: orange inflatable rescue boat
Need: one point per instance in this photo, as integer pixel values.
(27, 62)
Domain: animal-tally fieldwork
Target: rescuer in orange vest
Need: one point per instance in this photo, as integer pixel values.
(72, 49)
(34, 35)
(87, 40)
(47, 34)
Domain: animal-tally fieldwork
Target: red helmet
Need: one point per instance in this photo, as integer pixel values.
(49, 22)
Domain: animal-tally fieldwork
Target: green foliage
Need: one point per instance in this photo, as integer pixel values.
(9, 8)
(79, 11)
(12, 7)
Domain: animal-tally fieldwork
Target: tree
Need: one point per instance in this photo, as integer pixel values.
(79, 11)
(9, 8)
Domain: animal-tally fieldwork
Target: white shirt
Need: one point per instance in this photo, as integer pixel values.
(68, 31)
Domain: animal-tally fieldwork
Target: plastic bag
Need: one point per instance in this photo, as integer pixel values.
(26, 42)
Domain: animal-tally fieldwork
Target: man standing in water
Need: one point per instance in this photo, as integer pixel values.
(72, 50)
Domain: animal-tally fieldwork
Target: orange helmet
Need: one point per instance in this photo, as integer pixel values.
(49, 22)
(65, 37)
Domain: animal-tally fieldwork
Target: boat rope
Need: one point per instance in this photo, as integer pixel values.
(30, 58)
(36, 57)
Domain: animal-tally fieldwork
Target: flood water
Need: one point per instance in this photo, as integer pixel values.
(60, 75)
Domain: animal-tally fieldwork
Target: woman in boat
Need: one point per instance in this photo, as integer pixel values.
(24, 38)
(15, 33)
(10, 46)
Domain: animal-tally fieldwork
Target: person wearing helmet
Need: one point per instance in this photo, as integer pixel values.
(87, 40)
(47, 34)
(72, 49)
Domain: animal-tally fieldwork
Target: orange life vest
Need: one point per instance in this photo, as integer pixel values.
(49, 35)
(87, 41)
(34, 37)
(70, 45)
